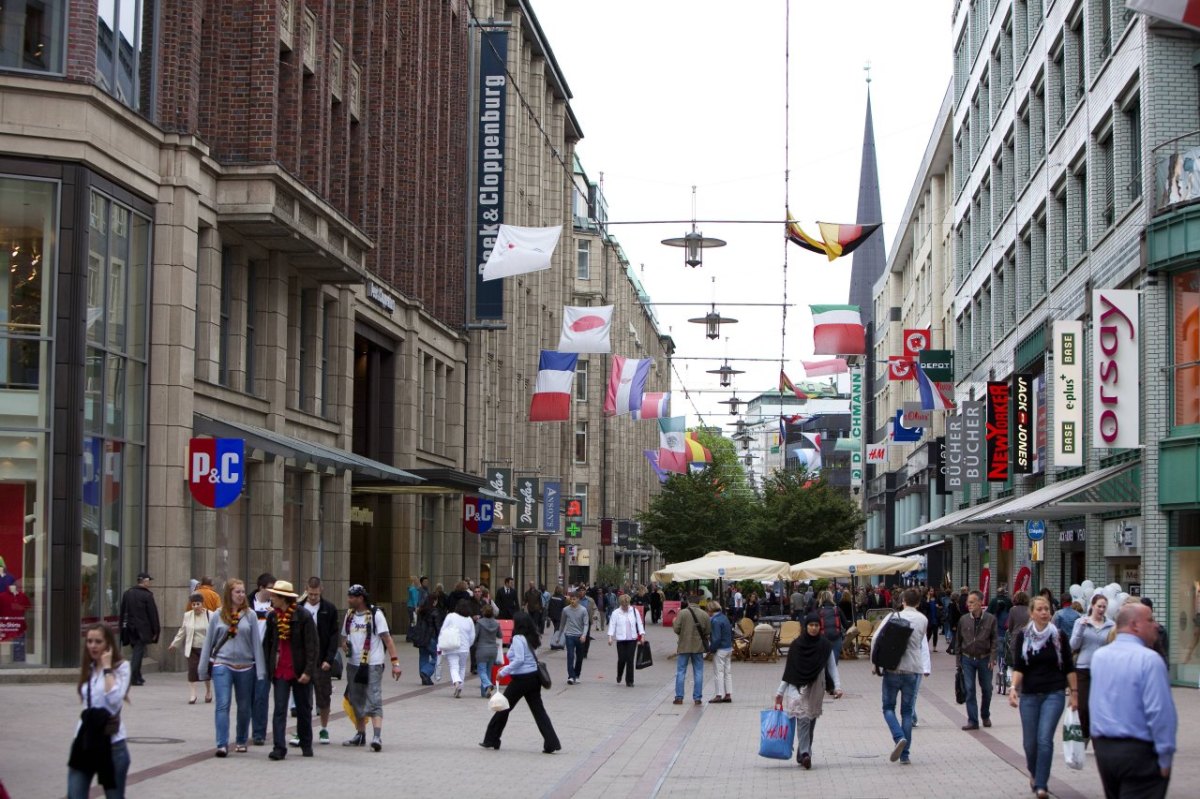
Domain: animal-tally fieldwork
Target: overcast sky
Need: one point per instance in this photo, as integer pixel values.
(676, 93)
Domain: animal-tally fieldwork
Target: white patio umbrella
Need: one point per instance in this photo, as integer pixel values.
(723, 566)
(851, 563)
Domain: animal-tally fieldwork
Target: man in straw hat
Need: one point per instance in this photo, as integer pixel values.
(291, 647)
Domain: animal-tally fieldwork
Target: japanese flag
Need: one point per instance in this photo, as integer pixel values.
(586, 329)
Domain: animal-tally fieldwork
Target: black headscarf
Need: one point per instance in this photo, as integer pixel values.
(807, 656)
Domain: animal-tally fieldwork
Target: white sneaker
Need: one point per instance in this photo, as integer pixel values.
(457, 690)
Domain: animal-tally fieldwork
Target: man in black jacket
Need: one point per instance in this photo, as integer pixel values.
(139, 623)
(291, 647)
(506, 599)
(325, 613)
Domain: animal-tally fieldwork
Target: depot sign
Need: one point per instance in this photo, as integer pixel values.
(1115, 378)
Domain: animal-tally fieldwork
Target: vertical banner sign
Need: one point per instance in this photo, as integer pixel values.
(1041, 423)
(489, 199)
(973, 443)
(527, 497)
(997, 431)
(500, 480)
(551, 505)
(1022, 429)
(856, 425)
(952, 459)
(1068, 393)
(215, 471)
(574, 516)
(477, 514)
(937, 449)
(1115, 378)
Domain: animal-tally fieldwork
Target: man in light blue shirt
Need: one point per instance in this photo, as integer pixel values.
(1133, 720)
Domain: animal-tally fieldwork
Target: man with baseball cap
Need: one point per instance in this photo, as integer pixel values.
(291, 647)
(366, 636)
(139, 623)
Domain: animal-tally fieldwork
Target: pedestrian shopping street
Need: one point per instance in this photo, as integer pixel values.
(617, 742)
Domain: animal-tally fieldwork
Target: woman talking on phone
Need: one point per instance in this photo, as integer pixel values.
(99, 749)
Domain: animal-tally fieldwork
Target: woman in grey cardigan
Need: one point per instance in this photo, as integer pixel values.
(1089, 634)
(233, 654)
(488, 644)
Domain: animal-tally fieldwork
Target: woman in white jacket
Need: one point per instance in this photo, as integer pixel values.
(626, 628)
(191, 634)
(455, 640)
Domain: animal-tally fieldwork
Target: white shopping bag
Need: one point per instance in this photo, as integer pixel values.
(1072, 733)
(498, 704)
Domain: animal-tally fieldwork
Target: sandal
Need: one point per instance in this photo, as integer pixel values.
(192, 701)
(240, 748)
(208, 700)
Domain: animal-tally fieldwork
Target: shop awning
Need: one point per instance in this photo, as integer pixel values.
(918, 550)
(959, 521)
(1050, 502)
(303, 452)
(450, 482)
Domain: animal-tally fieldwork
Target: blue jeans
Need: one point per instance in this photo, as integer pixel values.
(906, 686)
(485, 676)
(1039, 721)
(574, 657)
(79, 782)
(262, 701)
(227, 682)
(976, 670)
(426, 661)
(681, 664)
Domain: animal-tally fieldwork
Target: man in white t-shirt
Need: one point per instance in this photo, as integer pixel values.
(366, 637)
(738, 605)
(261, 602)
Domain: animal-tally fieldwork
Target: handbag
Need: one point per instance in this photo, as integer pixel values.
(960, 686)
(335, 666)
(1072, 734)
(643, 659)
(778, 729)
(543, 673)
(449, 640)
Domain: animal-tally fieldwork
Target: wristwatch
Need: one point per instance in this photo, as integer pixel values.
(108, 672)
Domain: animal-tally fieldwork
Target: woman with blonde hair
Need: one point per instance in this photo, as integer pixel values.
(233, 655)
(99, 750)
(192, 632)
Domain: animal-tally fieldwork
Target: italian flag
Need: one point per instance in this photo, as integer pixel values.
(837, 330)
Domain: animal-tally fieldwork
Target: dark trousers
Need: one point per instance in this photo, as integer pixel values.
(625, 652)
(1129, 769)
(303, 696)
(527, 687)
(135, 662)
(1083, 686)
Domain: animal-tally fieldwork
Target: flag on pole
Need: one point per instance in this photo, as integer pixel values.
(934, 396)
(655, 405)
(697, 452)
(521, 249)
(552, 392)
(838, 330)
(838, 239)
(1181, 12)
(586, 329)
(814, 455)
(626, 384)
(672, 446)
(787, 385)
(833, 366)
(652, 456)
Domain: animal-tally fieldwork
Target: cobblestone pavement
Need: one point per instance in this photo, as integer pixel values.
(617, 742)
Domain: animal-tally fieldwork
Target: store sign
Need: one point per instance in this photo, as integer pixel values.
(952, 456)
(489, 198)
(916, 340)
(1023, 445)
(1115, 376)
(500, 481)
(902, 434)
(856, 425)
(937, 463)
(574, 516)
(378, 295)
(877, 453)
(997, 431)
(215, 470)
(974, 445)
(1072, 536)
(900, 367)
(527, 497)
(1068, 393)
(477, 514)
(938, 365)
(551, 505)
(916, 416)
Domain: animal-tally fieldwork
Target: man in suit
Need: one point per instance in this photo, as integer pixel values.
(506, 599)
(139, 623)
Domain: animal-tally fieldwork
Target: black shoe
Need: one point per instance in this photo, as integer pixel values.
(307, 752)
(359, 739)
(551, 750)
(277, 754)
(806, 761)
(487, 745)
(425, 680)
(376, 744)
(260, 741)
(970, 727)
(138, 681)
(987, 722)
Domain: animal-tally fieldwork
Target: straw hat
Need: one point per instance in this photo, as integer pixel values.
(283, 588)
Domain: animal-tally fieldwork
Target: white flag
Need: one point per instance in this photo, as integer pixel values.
(586, 329)
(521, 249)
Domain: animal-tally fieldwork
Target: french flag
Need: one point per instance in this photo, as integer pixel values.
(552, 392)
(655, 405)
(626, 384)
(933, 398)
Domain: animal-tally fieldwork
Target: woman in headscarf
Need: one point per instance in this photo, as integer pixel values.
(811, 671)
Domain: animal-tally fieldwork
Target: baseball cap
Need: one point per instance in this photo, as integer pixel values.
(356, 590)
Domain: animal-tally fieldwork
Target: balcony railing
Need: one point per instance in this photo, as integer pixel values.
(1177, 172)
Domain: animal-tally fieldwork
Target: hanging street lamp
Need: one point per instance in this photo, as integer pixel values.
(712, 322)
(726, 373)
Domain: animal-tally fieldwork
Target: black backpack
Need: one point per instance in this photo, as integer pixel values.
(891, 639)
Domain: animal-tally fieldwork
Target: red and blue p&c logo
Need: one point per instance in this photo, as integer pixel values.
(215, 470)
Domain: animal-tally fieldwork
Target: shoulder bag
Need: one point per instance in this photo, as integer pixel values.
(704, 637)
(543, 673)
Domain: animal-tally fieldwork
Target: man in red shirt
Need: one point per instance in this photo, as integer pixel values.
(292, 649)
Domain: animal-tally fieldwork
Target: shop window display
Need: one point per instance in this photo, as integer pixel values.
(1183, 615)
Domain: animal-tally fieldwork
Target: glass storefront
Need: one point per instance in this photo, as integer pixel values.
(1182, 618)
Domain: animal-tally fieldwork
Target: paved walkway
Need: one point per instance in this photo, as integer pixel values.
(617, 742)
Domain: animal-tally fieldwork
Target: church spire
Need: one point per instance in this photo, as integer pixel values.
(869, 260)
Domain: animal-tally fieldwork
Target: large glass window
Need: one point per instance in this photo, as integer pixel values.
(1185, 298)
(31, 35)
(125, 50)
(1182, 617)
(28, 252)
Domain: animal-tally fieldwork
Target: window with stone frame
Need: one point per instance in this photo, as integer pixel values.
(1039, 260)
(33, 35)
(1104, 175)
(1056, 79)
(1078, 209)
(1059, 249)
(581, 380)
(581, 442)
(1076, 59)
(1023, 298)
(1129, 167)
(125, 41)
